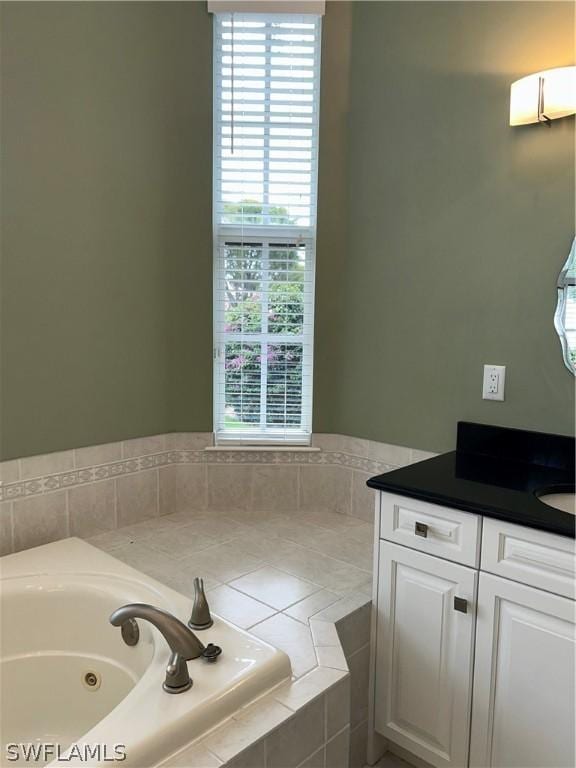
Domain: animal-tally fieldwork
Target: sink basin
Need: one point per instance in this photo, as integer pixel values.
(564, 501)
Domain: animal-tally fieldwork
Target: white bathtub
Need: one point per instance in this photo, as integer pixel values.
(55, 602)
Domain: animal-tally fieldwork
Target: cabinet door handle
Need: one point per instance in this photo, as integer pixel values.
(460, 604)
(421, 529)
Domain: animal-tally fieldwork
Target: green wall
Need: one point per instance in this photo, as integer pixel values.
(331, 250)
(106, 222)
(458, 225)
(440, 229)
(106, 263)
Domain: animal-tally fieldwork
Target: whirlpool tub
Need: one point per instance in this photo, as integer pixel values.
(71, 687)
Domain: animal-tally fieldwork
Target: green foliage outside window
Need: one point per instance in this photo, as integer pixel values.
(253, 301)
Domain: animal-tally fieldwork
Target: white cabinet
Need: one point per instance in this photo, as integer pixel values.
(523, 710)
(424, 654)
(516, 642)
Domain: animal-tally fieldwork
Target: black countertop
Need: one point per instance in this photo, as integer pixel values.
(495, 472)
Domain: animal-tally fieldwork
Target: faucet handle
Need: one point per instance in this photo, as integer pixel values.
(200, 618)
(177, 678)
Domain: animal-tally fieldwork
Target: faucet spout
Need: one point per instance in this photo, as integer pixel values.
(179, 637)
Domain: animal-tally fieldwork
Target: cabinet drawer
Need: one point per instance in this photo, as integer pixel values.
(430, 528)
(540, 559)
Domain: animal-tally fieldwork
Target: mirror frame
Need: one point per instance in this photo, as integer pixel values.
(565, 280)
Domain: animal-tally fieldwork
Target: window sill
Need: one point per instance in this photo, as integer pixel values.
(237, 447)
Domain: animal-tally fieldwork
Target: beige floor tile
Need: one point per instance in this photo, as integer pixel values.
(363, 533)
(252, 516)
(306, 608)
(241, 610)
(354, 584)
(109, 541)
(341, 610)
(295, 530)
(330, 521)
(224, 562)
(184, 517)
(367, 588)
(332, 574)
(340, 546)
(149, 528)
(268, 549)
(309, 565)
(292, 637)
(274, 587)
(388, 760)
(180, 576)
(180, 542)
(140, 556)
(221, 528)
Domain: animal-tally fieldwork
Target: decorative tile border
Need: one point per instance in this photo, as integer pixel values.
(20, 489)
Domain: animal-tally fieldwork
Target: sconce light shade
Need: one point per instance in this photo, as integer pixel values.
(543, 96)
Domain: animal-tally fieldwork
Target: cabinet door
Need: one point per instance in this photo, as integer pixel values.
(523, 709)
(424, 651)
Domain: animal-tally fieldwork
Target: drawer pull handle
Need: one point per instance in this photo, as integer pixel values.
(460, 604)
(421, 529)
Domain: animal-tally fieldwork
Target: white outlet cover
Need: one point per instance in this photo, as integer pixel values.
(493, 382)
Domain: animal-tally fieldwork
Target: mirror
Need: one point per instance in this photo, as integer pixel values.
(565, 317)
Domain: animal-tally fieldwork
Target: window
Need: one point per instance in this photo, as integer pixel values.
(267, 78)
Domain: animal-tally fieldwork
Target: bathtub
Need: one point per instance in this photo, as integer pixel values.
(74, 690)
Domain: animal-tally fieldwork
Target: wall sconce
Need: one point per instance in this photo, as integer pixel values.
(543, 96)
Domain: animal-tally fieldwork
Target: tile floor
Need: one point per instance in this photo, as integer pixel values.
(390, 760)
(269, 573)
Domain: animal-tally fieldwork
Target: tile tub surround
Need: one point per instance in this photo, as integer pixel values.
(260, 580)
(101, 488)
(272, 565)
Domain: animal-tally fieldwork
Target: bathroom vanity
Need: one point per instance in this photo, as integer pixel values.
(474, 591)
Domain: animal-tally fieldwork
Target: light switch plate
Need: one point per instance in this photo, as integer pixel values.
(493, 382)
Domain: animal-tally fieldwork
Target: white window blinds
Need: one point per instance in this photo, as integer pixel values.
(265, 171)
